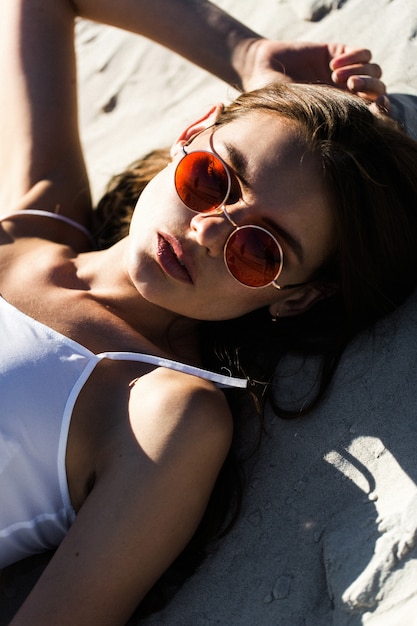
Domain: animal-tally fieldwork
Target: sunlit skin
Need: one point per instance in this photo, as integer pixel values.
(281, 187)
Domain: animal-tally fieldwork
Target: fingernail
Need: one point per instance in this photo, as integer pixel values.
(355, 83)
(383, 103)
(335, 78)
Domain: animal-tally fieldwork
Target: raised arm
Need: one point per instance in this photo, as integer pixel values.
(40, 156)
(206, 35)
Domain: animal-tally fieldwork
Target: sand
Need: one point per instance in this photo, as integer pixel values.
(328, 531)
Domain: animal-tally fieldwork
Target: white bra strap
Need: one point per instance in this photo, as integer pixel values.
(220, 379)
(56, 216)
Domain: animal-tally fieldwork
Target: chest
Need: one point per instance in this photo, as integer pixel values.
(40, 280)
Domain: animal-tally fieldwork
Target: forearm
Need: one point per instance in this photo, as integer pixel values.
(40, 155)
(196, 29)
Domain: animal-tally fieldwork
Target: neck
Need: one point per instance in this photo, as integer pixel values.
(103, 274)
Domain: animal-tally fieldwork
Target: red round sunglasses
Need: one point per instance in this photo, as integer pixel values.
(252, 255)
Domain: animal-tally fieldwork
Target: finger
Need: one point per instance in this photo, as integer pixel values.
(341, 76)
(381, 106)
(348, 56)
(366, 87)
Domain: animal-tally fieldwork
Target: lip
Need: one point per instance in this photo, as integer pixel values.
(173, 259)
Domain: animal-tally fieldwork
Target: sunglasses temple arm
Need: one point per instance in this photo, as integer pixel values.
(287, 287)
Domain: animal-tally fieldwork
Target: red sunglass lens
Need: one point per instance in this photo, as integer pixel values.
(253, 256)
(201, 181)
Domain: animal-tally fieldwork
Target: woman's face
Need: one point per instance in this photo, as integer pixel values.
(176, 256)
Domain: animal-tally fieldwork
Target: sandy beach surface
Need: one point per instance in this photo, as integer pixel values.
(328, 531)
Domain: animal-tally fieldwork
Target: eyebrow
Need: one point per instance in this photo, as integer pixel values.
(239, 163)
(240, 166)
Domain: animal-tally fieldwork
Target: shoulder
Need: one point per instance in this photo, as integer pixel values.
(152, 486)
(173, 405)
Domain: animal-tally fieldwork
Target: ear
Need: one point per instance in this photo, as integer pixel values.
(300, 299)
(196, 127)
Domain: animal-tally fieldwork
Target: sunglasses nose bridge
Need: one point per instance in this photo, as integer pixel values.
(228, 216)
(219, 211)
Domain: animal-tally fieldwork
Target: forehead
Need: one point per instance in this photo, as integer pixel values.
(267, 146)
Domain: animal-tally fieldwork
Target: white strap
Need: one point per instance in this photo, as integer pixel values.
(56, 216)
(220, 379)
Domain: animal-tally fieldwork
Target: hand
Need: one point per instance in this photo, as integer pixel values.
(334, 64)
(352, 69)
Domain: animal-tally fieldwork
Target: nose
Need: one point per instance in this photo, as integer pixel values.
(211, 230)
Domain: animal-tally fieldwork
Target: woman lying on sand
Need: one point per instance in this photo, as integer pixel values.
(117, 427)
